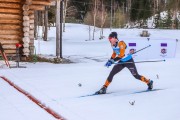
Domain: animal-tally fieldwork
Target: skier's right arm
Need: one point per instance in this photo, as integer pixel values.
(111, 60)
(113, 55)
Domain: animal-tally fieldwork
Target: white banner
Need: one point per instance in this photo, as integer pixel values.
(159, 49)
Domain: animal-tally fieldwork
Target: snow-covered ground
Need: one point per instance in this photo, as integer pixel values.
(56, 85)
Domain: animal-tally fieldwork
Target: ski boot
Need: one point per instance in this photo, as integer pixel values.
(150, 85)
(101, 91)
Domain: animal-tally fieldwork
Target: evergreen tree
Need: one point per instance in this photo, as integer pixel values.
(169, 19)
(134, 10)
(140, 10)
(82, 6)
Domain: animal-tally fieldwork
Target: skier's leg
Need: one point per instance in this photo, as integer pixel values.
(117, 68)
(133, 70)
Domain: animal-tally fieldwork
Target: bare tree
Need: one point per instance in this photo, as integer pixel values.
(94, 17)
(103, 19)
(64, 15)
(111, 16)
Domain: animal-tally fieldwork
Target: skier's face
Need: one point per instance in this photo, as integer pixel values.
(112, 40)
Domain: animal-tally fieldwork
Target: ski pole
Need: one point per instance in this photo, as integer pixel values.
(141, 49)
(141, 62)
(130, 55)
(4, 56)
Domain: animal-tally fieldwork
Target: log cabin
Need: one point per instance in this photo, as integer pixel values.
(17, 23)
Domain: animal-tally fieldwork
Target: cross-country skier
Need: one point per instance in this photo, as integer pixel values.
(119, 56)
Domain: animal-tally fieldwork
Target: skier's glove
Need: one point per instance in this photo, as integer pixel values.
(109, 62)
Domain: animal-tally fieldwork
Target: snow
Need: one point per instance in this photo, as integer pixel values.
(56, 85)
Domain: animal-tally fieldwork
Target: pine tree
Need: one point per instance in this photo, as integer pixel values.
(134, 10)
(169, 19)
(140, 10)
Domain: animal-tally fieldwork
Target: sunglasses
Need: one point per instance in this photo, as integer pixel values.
(110, 38)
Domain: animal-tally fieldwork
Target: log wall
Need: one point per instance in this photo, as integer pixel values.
(17, 23)
(10, 24)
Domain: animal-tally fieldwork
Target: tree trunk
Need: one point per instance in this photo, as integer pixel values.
(58, 28)
(46, 24)
(94, 18)
(42, 16)
(35, 24)
(111, 17)
(103, 19)
(64, 16)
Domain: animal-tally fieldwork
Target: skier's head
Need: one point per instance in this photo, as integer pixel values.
(113, 34)
(113, 38)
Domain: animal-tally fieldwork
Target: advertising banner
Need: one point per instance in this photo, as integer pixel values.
(159, 49)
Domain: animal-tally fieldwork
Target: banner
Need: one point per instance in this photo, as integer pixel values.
(159, 49)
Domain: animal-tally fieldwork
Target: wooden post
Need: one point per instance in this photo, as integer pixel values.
(58, 29)
(31, 32)
(46, 24)
(35, 24)
(61, 25)
(42, 22)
